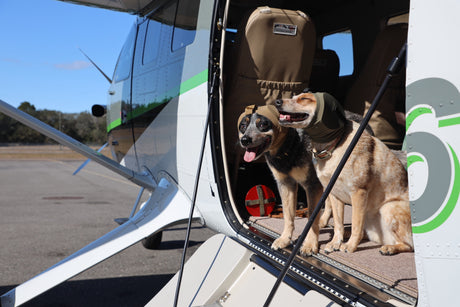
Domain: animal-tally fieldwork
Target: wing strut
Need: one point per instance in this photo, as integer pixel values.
(88, 160)
(165, 207)
(393, 68)
(143, 180)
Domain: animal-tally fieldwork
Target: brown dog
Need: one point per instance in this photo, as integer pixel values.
(291, 164)
(373, 180)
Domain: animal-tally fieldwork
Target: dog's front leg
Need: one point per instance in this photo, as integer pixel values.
(358, 214)
(310, 245)
(288, 192)
(337, 207)
(326, 214)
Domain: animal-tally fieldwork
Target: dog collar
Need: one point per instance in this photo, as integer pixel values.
(329, 120)
(327, 152)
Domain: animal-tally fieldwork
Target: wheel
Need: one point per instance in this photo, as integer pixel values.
(153, 241)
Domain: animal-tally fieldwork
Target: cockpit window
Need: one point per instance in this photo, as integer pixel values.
(124, 63)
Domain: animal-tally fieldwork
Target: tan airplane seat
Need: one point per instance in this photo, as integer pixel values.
(383, 122)
(272, 59)
(325, 72)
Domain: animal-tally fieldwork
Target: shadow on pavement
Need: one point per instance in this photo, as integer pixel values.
(123, 291)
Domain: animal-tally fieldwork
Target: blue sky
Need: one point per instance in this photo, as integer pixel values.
(39, 57)
(40, 61)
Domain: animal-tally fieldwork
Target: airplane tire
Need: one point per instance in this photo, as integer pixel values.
(153, 241)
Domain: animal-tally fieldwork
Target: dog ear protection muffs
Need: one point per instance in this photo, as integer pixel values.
(270, 112)
(329, 120)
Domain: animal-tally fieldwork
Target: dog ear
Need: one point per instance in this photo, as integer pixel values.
(250, 109)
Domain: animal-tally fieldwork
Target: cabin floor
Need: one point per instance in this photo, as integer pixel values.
(391, 274)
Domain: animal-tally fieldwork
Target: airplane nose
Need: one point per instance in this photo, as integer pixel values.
(245, 140)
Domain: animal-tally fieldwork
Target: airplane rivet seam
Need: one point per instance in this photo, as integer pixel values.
(267, 253)
(321, 285)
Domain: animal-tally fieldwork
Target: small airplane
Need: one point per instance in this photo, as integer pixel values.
(186, 72)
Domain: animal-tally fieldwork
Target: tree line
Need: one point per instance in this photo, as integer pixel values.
(82, 126)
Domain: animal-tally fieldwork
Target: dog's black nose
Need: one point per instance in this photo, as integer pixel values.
(245, 140)
(278, 102)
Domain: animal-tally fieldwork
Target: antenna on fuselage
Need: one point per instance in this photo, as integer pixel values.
(100, 70)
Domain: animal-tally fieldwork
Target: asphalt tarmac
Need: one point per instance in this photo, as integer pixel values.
(47, 214)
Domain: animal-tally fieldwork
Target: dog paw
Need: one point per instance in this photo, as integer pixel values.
(309, 249)
(388, 250)
(348, 248)
(332, 247)
(281, 243)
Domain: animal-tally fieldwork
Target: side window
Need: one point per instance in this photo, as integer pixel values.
(125, 60)
(152, 41)
(342, 44)
(185, 23)
(159, 21)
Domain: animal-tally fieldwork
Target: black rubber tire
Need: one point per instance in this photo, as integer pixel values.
(153, 241)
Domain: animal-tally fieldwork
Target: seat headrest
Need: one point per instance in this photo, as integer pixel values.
(277, 45)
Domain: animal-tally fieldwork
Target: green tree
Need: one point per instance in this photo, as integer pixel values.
(80, 126)
(24, 134)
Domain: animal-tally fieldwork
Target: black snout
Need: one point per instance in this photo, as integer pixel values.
(245, 140)
(278, 103)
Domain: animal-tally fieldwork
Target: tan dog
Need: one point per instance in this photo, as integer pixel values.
(373, 180)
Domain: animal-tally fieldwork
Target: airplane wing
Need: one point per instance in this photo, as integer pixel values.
(166, 206)
(129, 6)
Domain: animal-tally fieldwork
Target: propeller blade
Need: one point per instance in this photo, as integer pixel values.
(97, 67)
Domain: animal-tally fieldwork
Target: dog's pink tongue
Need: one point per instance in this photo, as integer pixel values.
(285, 117)
(249, 155)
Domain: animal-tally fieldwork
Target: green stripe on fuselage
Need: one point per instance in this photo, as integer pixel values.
(184, 87)
(114, 124)
(449, 122)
